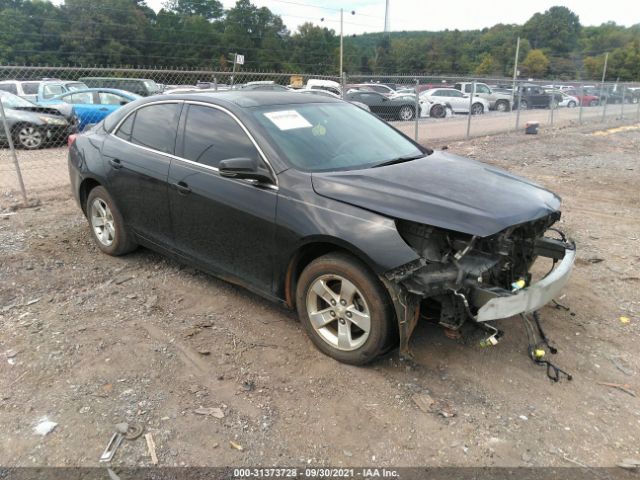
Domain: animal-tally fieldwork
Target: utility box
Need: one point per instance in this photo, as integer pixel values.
(531, 128)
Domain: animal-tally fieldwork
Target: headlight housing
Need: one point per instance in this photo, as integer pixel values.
(53, 121)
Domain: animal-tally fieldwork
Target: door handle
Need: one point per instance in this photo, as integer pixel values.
(115, 163)
(183, 188)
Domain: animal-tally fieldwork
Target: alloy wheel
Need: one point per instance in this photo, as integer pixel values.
(338, 312)
(406, 113)
(102, 222)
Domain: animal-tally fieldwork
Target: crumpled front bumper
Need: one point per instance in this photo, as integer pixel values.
(534, 296)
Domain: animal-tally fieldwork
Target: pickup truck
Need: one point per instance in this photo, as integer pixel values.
(497, 100)
(535, 96)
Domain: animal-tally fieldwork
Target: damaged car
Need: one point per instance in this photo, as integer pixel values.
(314, 203)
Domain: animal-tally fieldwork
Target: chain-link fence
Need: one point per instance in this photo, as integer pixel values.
(43, 106)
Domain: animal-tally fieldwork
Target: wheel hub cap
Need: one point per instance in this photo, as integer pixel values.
(102, 222)
(338, 312)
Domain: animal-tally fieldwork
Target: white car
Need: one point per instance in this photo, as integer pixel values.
(455, 99)
(567, 100)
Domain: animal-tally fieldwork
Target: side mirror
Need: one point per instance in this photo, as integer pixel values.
(244, 168)
(466, 95)
(123, 102)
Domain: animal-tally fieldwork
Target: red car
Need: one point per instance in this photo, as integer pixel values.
(586, 99)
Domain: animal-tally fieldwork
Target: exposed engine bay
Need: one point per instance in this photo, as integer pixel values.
(458, 274)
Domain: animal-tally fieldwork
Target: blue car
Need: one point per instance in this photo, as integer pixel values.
(91, 105)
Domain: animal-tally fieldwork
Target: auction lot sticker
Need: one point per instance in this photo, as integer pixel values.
(287, 120)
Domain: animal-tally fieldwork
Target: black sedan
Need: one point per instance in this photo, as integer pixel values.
(33, 126)
(321, 206)
(391, 108)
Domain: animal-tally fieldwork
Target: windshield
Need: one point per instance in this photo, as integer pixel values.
(322, 137)
(151, 86)
(13, 101)
(76, 86)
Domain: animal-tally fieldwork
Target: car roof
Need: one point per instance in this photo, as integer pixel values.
(249, 99)
(107, 90)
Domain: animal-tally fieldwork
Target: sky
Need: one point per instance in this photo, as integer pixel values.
(435, 16)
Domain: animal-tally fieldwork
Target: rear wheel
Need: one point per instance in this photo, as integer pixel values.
(593, 103)
(438, 111)
(524, 105)
(29, 137)
(406, 113)
(345, 309)
(571, 104)
(502, 106)
(107, 225)
(477, 109)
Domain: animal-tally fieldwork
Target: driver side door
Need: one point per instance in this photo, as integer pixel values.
(227, 225)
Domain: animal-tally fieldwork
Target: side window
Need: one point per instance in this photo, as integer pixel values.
(126, 128)
(52, 90)
(84, 98)
(482, 89)
(211, 135)
(9, 87)
(30, 88)
(107, 98)
(467, 88)
(156, 126)
(454, 93)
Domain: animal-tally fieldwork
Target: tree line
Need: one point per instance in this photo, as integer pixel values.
(202, 34)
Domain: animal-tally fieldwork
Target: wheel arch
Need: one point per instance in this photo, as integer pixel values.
(84, 189)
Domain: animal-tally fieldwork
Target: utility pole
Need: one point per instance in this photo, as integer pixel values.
(386, 18)
(515, 72)
(233, 74)
(604, 74)
(341, 38)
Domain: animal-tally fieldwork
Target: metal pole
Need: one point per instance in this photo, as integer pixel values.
(580, 102)
(344, 83)
(622, 102)
(215, 83)
(13, 153)
(473, 90)
(638, 111)
(417, 109)
(515, 71)
(518, 110)
(604, 74)
(341, 38)
(553, 100)
(233, 74)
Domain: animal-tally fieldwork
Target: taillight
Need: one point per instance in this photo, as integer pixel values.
(71, 140)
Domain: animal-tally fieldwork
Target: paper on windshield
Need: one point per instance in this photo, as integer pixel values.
(288, 120)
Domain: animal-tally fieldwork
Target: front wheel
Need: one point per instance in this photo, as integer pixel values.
(502, 106)
(593, 103)
(524, 105)
(406, 113)
(571, 104)
(345, 309)
(29, 137)
(438, 111)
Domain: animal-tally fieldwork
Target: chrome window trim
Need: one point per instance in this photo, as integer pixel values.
(191, 162)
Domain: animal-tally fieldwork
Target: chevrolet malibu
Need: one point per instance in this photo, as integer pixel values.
(316, 204)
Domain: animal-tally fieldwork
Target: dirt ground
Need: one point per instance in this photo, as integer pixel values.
(88, 341)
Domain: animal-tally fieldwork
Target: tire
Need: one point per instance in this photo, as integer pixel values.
(28, 136)
(333, 329)
(502, 106)
(571, 104)
(477, 109)
(524, 105)
(406, 113)
(593, 103)
(438, 111)
(107, 225)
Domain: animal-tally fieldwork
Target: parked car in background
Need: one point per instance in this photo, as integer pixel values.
(402, 108)
(93, 104)
(265, 86)
(325, 93)
(382, 88)
(534, 96)
(312, 203)
(567, 100)
(321, 84)
(497, 100)
(40, 90)
(140, 86)
(584, 97)
(34, 126)
(456, 100)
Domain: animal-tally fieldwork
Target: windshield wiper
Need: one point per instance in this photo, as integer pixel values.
(406, 158)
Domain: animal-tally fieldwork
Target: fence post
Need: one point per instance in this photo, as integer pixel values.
(518, 110)
(417, 109)
(638, 110)
(553, 100)
(215, 83)
(12, 148)
(606, 100)
(343, 79)
(580, 102)
(473, 91)
(622, 104)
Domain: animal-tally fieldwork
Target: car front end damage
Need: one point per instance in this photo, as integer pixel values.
(460, 277)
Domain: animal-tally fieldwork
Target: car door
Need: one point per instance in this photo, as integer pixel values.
(83, 107)
(224, 224)
(108, 102)
(539, 98)
(138, 155)
(456, 99)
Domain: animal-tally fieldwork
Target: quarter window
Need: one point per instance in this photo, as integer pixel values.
(9, 87)
(126, 128)
(211, 135)
(30, 88)
(107, 98)
(155, 127)
(84, 98)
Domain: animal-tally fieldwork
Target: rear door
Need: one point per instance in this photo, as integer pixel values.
(138, 155)
(222, 223)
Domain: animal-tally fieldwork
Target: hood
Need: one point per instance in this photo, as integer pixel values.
(59, 110)
(442, 190)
